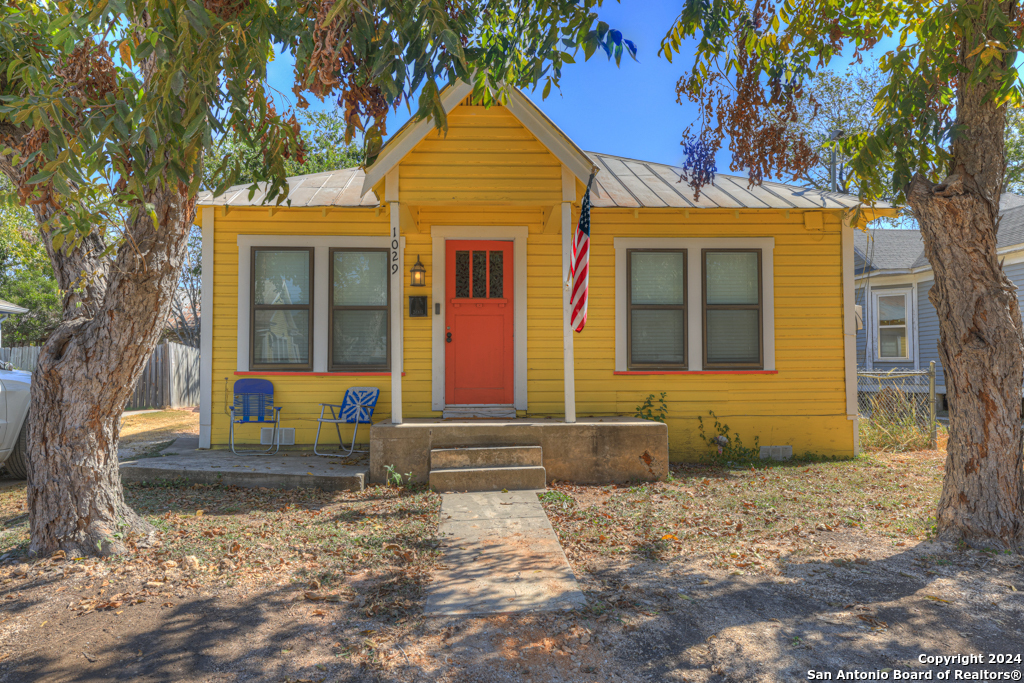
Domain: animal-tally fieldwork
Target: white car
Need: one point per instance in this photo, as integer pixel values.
(14, 399)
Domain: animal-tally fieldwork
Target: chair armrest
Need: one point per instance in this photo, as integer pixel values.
(330, 405)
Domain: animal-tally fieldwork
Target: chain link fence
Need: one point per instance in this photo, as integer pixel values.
(897, 409)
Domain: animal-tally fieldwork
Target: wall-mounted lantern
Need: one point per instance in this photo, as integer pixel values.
(418, 274)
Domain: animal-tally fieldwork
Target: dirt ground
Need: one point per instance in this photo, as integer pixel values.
(743, 574)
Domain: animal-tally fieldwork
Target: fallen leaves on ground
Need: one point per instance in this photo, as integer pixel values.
(751, 518)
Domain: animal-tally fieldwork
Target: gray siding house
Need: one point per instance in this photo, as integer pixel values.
(892, 281)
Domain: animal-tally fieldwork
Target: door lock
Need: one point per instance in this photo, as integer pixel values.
(448, 338)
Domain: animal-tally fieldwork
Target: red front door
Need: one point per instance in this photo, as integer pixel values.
(479, 356)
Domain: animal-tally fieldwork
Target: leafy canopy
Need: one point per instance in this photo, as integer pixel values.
(753, 61)
(125, 95)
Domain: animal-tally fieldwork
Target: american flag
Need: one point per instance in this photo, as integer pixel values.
(579, 266)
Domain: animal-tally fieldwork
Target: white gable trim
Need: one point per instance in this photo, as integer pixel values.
(525, 111)
(410, 136)
(551, 136)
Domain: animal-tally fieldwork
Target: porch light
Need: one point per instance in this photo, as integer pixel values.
(418, 274)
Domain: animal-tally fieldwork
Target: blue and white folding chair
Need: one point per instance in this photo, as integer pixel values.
(356, 408)
(254, 404)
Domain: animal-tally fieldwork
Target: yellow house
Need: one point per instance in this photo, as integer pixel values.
(739, 302)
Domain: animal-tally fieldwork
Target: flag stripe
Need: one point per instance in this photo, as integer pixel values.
(579, 265)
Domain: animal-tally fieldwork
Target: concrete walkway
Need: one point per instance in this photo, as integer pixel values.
(502, 556)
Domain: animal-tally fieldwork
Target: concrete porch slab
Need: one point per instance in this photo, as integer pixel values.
(502, 556)
(593, 450)
(287, 470)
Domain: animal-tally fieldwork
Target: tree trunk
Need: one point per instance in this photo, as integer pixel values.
(980, 335)
(87, 371)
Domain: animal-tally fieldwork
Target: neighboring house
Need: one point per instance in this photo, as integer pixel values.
(901, 327)
(739, 302)
(6, 309)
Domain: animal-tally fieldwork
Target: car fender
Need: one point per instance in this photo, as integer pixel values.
(14, 400)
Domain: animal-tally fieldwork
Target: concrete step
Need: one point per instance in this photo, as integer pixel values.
(488, 478)
(491, 456)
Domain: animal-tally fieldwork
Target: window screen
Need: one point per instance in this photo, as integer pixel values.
(657, 308)
(892, 326)
(359, 338)
(281, 308)
(732, 309)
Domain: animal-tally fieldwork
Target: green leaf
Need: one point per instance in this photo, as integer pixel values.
(178, 82)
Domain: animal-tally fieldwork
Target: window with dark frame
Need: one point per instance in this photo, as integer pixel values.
(281, 309)
(656, 324)
(359, 333)
(733, 309)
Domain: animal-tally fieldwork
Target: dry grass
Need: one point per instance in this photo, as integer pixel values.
(751, 519)
(255, 538)
(164, 425)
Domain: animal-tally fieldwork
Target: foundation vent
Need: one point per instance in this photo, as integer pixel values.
(285, 436)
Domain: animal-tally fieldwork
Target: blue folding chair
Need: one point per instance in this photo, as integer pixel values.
(254, 404)
(356, 408)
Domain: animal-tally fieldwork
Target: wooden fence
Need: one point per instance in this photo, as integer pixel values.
(170, 378)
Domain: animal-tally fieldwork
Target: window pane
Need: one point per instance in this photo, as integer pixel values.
(497, 274)
(656, 277)
(892, 342)
(480, 274)
(732, 277)
(892, 310)
(281, 337)
(360, 278)
(360, 338)
(733, 337)
(462, 274)
(282, 277)
(657, 337)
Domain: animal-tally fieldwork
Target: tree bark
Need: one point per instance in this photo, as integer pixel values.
(980, 334)
(115, 311)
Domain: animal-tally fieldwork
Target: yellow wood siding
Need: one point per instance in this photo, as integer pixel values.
(486, 156)
(803, 405)
(490, 171)
(301, 394)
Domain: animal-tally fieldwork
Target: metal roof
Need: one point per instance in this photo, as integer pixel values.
(8, 307)
(332, 188)
(620, 183)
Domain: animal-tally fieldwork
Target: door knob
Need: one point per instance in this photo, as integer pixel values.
(448, 338)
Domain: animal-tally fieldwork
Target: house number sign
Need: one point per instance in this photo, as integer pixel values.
(394, 250)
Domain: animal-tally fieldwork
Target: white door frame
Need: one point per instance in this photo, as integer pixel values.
(517, 234)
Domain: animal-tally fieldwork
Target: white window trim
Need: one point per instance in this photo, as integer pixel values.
(910, 313)
(694, 309)
(321, 285)
(518, 236)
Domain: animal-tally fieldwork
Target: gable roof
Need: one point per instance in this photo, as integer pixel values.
(519, 105)
(903, 250)
(619, 182)
(622, 183)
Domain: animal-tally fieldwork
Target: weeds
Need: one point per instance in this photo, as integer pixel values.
(649, 411)
(898, 422)
(727, 448)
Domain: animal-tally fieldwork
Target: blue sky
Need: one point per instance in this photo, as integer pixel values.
(629, 111)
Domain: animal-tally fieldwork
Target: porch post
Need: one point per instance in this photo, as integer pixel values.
(394, 264)
(206, 333)
(568, 360)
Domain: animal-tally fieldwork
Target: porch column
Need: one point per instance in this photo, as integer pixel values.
(568, 358)
(394, 263)
(206, 333)
(395, 270)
